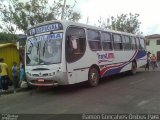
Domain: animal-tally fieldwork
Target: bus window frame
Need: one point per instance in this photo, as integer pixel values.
(78, 27)
(135, 45)
(117, 42)
(105, 41)
(142, 47)
(130, 45)
(138, 45)
(99, 32)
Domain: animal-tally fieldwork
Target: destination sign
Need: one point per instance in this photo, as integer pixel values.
(48, 37)
(45, 28)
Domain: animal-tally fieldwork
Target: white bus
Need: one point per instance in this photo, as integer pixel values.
(63, 52)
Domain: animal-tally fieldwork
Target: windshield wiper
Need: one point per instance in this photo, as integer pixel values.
(38, 48)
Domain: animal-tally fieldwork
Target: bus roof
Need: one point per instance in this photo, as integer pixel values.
(71, 23)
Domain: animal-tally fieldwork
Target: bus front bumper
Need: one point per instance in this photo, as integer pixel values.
(58, 79)
(51, 83)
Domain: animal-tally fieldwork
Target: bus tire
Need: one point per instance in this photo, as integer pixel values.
(93, 77)
(134, 68)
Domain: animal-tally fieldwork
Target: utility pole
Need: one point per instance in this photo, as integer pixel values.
(64, 5)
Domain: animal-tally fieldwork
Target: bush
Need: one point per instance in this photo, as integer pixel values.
(8, 38)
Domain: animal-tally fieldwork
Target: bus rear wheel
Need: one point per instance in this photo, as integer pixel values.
(93, 77)
(134, 68)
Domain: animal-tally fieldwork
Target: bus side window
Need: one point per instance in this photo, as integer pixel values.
(69, 45)
(133, 43)
(126, 42)
(117, 42)
(106, 41)
(73, 41)
(142, 44)
(137, 42)
(75, 44)
(94, 40)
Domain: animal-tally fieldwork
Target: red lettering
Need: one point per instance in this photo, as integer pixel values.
(111, 55)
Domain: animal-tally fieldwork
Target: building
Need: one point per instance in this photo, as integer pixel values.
(153, 44)
(10, 54)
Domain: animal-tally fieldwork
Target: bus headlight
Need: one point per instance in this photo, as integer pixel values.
(28, 73)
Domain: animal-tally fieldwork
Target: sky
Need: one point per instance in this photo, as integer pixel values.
(94, 9)
(148, 10)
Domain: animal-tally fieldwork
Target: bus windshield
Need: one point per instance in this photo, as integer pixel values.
(44, 49)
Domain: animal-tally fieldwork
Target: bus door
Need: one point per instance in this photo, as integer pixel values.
(75, 49)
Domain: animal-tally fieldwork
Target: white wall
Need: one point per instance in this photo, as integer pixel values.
(153, 47)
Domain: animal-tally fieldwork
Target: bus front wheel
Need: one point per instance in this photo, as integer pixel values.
(93, 77)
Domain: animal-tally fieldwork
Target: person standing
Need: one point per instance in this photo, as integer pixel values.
(153, 61)
(148, 61)
(21, 73)
(4, 75)
(15, 76)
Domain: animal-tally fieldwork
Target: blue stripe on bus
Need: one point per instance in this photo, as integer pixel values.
(117, 69)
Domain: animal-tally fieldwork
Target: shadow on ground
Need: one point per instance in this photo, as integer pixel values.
(68, 89)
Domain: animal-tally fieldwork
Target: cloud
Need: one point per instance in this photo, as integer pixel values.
(148, 10)
(152, 29)
(93, 9)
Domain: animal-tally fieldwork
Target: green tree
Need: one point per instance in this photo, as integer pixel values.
(8, 38)
(21, 15)
(7, 21)
(124, 22)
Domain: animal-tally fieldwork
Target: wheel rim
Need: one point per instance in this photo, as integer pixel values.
(134, 68)
(94, 77)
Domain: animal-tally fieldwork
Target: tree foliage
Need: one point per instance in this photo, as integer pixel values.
(7, 18)
(19, 15)
(8, 38)
(124, 22)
